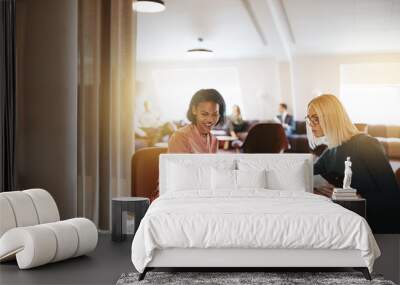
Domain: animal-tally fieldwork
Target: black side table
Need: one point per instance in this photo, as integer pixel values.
(357, 205)
(136, 205)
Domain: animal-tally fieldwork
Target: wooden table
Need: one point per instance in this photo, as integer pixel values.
(226, 140)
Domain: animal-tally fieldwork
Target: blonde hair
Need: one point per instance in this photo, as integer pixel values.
(333, 119)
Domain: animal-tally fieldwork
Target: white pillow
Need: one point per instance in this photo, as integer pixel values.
(291, 180)
(251, 178)
(227, 179)
(282, 174)
(183, 177)
(223, 179)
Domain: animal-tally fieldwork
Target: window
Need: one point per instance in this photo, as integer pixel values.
(371, 92)
(378, 104)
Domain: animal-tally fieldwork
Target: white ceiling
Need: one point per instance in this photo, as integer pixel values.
(343, 26)
(264, 28)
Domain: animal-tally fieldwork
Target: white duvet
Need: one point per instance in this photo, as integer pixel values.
(250, 219)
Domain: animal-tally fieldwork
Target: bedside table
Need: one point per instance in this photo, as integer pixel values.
(121, 206)
(358, 205)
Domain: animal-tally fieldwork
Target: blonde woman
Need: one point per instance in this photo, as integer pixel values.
(373, 176)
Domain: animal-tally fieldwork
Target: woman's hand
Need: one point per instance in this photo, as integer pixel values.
(325, 190)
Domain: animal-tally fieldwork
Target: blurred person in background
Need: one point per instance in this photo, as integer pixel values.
(285, 119)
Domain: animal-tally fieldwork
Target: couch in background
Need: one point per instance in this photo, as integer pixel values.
(389, 136)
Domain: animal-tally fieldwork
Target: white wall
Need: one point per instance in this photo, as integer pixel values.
(314, 74)
(258, 81)
(264, 83)
(286, 85)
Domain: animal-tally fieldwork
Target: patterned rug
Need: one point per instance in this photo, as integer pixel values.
(273, 278)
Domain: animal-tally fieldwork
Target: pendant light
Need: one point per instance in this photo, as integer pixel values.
(148, 6)
(199, 49)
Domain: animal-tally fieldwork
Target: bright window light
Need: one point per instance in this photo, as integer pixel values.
(368, 104)
(175, 88)
(371, 92)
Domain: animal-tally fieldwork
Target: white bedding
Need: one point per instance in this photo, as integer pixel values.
(251, 218)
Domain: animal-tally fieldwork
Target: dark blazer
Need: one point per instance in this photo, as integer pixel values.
(290, 121)
(373, 178)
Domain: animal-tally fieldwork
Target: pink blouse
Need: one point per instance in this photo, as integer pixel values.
(189, 140)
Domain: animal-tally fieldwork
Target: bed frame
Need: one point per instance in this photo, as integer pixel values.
(241, 259)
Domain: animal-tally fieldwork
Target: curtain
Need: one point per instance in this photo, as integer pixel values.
(107, 30)
(7, 95)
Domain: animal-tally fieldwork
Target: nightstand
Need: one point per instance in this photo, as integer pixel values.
(357, 205)
(121, 207)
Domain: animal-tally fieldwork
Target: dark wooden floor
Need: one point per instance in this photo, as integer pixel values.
(110, 259)
(102, 266)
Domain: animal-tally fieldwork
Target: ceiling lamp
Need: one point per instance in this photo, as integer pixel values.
(148, 6)
(200, 49)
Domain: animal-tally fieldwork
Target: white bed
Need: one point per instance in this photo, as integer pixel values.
(247, 210)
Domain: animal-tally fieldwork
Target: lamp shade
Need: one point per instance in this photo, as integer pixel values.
(200, 49)
(148, 6)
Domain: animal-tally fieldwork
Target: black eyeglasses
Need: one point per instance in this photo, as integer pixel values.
(314, 120)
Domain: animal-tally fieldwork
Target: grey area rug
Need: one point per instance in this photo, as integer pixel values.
(228, 278)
